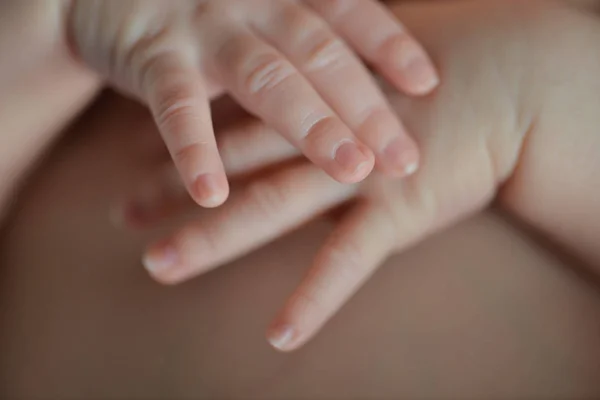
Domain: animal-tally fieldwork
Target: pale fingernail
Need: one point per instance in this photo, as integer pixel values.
(351, 158)
(281, 337)
(418, 69)
(160, 258)
(402, 160)
(411, 169)
(210, 190)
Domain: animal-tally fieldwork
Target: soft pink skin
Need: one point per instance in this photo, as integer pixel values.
(471, 150)
(553, 313)
(282, 60)
(41, 87)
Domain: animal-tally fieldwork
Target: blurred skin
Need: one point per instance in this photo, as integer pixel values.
(41, 88)
(509, 147)
(282, 60)
(481, 311)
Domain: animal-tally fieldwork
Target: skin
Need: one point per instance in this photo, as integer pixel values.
(479, 311)
(282, 60)
(482, 310)
(575, 300)
(508, 148)
(41, 88)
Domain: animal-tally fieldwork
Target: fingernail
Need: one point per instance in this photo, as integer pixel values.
(281, 337)
(401, 159)
(210, 190)
(417, 68)
(411, 168)
(160, 258)
(350, 157)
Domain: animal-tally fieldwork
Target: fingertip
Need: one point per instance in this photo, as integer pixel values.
(354, 162)
(163, 262)
(410, 67)
(400, 158)
(421, 77)
(282, 337)
(160, 258)
(210, 190)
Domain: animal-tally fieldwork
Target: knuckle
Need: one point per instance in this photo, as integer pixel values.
(390, 224)
(184, 238)
(193, 237)
(173, 113)
(318, 47)
(336, 9)
(187, 155)
(266, 74)
(267, 198)
(347, 256)
(318, 135)
(143, 49)
(175, 107)
(210, 242)
(152, 70)
(328, 52)
(308, 300)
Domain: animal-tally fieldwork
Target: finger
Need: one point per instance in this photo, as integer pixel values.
(325, 60)
(378, 36)
(245, 148)
(176, 95)
(265, 210)
(354, 250)
(250, 146)
(269, 86)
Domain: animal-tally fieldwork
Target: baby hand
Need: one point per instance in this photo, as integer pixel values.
(285, 61)
(506, 135)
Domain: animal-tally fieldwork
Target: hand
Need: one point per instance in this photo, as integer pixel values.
(497, 60)
(282, 61)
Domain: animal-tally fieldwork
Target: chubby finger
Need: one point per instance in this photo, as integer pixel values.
(245, 148)
(380, 38)
(177, 97)
(268, 85)
(358, 245)
(329, 65)
(250, 146)
(264, 210)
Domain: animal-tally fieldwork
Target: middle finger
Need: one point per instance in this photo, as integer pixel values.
(342, 81)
